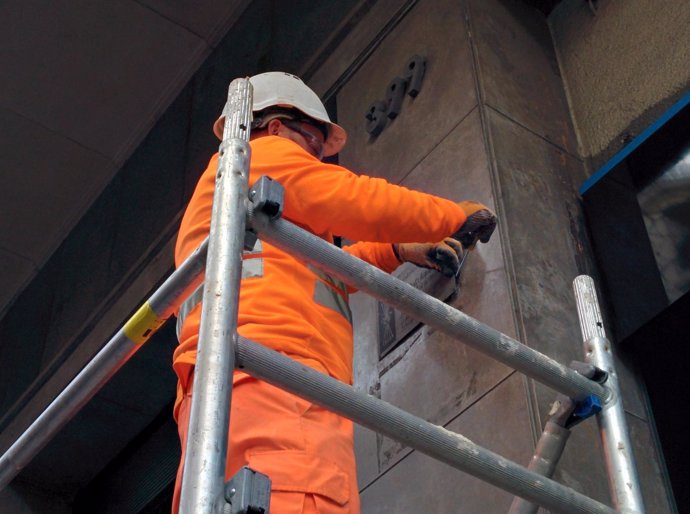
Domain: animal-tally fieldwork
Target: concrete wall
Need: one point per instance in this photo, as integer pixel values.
(622, 66)
(26, 499)
(491, 123)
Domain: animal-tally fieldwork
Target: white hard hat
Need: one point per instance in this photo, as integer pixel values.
(279, 89)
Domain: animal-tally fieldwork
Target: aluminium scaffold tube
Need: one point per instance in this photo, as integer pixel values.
(433, 440)
(114, 354)
(546, 456)
(204, 467)
(624, 482)
(423, 307)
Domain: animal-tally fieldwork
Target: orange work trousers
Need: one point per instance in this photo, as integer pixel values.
(306, 451)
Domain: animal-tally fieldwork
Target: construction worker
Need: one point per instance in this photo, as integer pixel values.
(298, 310)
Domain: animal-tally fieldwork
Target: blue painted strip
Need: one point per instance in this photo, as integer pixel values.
(630, 147)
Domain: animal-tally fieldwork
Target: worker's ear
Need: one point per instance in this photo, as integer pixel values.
(273, 127)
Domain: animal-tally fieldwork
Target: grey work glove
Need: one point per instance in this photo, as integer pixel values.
(479, 225)
(444, 256)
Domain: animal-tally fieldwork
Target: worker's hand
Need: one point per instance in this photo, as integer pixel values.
(444, 256)
(479, 225)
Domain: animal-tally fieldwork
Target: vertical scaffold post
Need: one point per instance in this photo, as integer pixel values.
(624, 482)
(204, 467)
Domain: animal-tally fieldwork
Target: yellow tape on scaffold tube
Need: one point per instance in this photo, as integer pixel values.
(142, 325)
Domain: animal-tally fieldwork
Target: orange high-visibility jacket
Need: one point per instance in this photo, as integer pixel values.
(285, 304)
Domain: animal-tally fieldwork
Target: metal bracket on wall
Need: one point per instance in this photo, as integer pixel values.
(380, 111)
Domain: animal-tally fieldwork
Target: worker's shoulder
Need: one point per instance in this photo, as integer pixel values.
(270, 150)
(280, 154)
(271, 142)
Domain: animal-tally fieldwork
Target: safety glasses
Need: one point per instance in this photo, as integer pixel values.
(313, 141)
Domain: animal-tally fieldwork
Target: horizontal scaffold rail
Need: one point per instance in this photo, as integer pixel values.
(423, 307)
(433, 440)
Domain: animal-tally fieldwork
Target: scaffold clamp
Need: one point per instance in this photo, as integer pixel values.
(247, 492)
(267, 195)
(586, 408)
